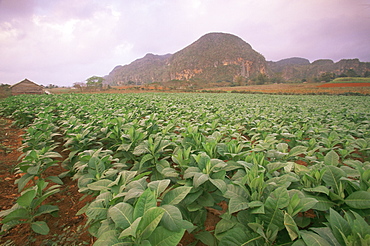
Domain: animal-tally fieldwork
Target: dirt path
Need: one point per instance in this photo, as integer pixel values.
(67, 228)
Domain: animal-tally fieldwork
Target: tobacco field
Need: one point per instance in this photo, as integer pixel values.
(279, 169)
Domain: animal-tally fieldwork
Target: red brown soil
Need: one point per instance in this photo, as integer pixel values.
(67, 228)
(330, 85)
(298, 88)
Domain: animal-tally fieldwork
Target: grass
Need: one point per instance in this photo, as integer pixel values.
(351, 80)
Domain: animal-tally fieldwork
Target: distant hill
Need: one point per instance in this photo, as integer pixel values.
(214, 57)
(299, 68)
(221, 57)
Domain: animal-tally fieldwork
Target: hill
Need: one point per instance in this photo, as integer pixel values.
(297, 69)
(221, 59)
(214, 57)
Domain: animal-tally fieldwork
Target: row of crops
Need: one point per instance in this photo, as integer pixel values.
(292, 170)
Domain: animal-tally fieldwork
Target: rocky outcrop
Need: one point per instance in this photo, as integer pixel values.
(221, 57)
(214, 57)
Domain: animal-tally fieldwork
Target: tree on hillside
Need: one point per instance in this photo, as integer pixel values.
(327, 77)
(351, 73)
(79, 85)
(261, 79)
(5, 90)
(239, 80)
(95, 82)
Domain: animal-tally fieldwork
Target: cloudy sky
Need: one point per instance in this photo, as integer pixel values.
(65, 41)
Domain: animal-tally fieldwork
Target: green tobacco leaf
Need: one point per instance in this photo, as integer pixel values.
(207, 238)
(97, 210)
(121, 214)
(159, 186)
(199, 179)
(318, 189)
(360, 226)
(26, 198)
(133, 193)
(238, 203)
(52, 155)
(358, 200)
(323, 203)
(332, 177)
(163, 237)
(19, 213)
(327, 234)
(149, 222)
(46, 209)
(297, 150)
(299, 242)
(238, 236)
(220, 184)
(277, 200)
(108, 238)
(176, 195)
(291, 226)
(145, 201)
(307, 203)
(22, 181)
(55, 179)
(33, 170)
(281, 196)
(311, 238)
(99, 185)
(172, 218)
(282, 147)
(339, 226)
(131, 230)
(40, 227)
(224, 225)
(331, 158)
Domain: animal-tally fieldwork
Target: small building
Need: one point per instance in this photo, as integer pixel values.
(26, 87)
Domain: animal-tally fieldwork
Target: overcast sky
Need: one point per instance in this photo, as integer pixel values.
(65, 41)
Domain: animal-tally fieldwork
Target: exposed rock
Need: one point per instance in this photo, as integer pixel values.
(214, 57)
(221, 57)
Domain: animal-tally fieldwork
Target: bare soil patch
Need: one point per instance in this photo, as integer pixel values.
(67, 228)
(329, 85)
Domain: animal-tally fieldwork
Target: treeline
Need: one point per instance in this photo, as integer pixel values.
(349, 73)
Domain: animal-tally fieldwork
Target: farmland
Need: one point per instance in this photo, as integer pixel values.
(275, 169)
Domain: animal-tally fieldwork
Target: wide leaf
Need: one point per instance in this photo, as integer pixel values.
(146, 200)
(159, 186)
(176, 195)
(359, 200)
(121, 214)
(97, 210)
(297, 150)
(339, 226)
(149, 222)
(311, 238)
(163, 237)
(331, 158)
(26, 198)
(291, 226)
(40, 227)
(332, 177)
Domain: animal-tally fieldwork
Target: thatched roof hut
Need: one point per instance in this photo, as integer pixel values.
(27, 87)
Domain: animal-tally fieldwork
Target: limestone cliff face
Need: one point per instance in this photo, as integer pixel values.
(148, 69)
(214, 57)
(217, 57)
